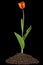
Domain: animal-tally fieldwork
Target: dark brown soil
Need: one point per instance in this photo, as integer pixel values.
(20, 58)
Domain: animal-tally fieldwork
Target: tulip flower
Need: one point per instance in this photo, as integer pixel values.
(21, 5)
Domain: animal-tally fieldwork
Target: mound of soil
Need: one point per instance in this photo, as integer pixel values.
(20, 58)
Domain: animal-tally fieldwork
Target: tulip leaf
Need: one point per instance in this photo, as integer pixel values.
(27, 32)
(20, 40)
(22, 25)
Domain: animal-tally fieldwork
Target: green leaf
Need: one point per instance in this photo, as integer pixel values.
(27, 32)
(20, 40)
(22, 25)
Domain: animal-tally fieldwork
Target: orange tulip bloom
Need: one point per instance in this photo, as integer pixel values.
(21, 5)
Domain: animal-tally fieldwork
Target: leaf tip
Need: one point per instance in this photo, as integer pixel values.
(31, 26)
(14, 32)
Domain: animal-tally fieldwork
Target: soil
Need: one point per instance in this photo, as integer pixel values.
(23, 59)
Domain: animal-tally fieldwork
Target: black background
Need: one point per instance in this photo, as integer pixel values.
(11, 15)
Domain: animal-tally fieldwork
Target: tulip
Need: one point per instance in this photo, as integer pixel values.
(21, 5)
(21, 39)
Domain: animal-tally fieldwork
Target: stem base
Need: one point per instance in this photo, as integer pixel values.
(21, 50)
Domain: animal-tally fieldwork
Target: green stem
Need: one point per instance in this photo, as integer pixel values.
(21, 50)
(23, 23)
(23, 29)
